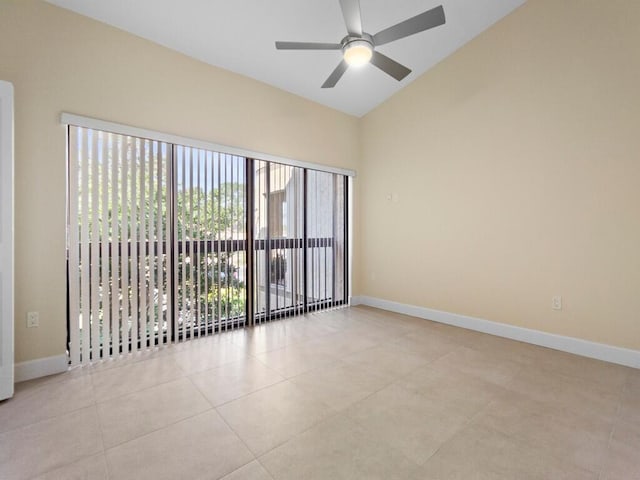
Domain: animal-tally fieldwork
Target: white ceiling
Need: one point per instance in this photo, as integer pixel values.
(239, 35)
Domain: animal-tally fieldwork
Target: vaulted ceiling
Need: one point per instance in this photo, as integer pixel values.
(239, 35)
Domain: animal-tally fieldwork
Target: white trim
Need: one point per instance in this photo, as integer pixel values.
(585, 348)
(88, 122)
(6, 240)
(41, 367)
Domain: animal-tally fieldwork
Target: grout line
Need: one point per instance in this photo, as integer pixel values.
(245, 394)
(52, 417)
(612, 431)
(371, 321)
(332, 414)
(65, 464)
(255, 457)
(242, 466)
(146, 434)
(264, 467)
(117, 397)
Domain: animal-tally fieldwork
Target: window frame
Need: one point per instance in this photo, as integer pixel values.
(250, 245)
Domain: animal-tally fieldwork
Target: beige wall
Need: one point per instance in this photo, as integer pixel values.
(514, 162)
(59, 61)
(517, 167)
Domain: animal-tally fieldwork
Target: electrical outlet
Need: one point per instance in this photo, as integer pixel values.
(33, 319)
(556, 302)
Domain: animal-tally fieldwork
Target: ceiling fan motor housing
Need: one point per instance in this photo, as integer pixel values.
(357, 51)
(365, 37)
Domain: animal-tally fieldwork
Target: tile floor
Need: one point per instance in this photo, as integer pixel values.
(346, 394)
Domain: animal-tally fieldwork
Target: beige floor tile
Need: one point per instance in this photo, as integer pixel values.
(622, 460)
(507, 348)
(403, 322)
(70, 374)
(425, 344)
(50, 444)
(204, 355)
(629, 411)
(298, 329)
(295, 359)
(407, 421)
(379, 326)
(480, 453)
(563, 391)
(607, 375)
(308, 328)
(340, 384)
(483, 365)
(374, 333)
(579, 439)
(90, 468)
(447, 386)
(206, 342)
(251, 471)
(341, 344)
(273, 415)
(115, 382)
(129, 359)
(386, 360)
(264, 339)
(632, 385)
(340, 319)
(370, 394)
(136, 414)
(199, 447)
(39, 401)
(459, 335)
(234, 380)
(338, 449)
(278, 334)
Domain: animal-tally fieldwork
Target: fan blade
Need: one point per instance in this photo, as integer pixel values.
(336, 75)
(429, 19)
(388, 66)
(307, 46)
(351, 14)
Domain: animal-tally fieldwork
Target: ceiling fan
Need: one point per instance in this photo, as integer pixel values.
(359, 47)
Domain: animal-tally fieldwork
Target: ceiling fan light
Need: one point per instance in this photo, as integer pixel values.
(357, 53)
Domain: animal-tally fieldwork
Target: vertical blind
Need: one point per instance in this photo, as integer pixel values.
(119, 289)
(169, 242)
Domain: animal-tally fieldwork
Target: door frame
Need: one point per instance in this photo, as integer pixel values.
(6, 241)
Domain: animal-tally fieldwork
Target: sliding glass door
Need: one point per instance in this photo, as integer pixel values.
(300, 234)
(209, 241)
(326, 236)
(278, 245)
(168, 242)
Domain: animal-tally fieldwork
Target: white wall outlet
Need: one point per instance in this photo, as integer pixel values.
(33, 319)
(556, 302)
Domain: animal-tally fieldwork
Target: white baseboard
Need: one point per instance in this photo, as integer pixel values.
(40, 367)
(585, 348)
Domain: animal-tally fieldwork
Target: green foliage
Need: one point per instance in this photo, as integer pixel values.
(208, 285)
